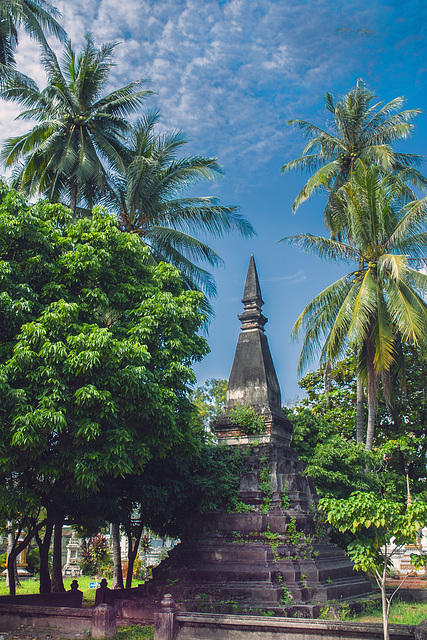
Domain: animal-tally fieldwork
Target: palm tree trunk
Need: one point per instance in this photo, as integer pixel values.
(73, 202)
(372, 396)
(117, 557)
(360, 405)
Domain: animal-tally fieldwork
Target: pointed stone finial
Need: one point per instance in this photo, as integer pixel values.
(252, 318)
(252, 292)
(253, 379)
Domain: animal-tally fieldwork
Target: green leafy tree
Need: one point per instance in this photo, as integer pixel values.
(379, 303)
(147, 194)
(331, 395)
(79, 130)
(36, 17)
(170, 489)
(376, 521)
(210, 400)
(94, 555)
(94, 374)
(400, 424)
(336, 465)
(358, 129)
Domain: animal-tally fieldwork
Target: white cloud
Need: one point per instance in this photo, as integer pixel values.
(230, 74)
(288, 279)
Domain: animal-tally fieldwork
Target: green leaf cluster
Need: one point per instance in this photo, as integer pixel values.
(376, 522)
(247, 419)
(96, 354)
(336, 465)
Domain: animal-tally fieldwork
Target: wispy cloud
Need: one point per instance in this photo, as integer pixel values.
(288, 279)
(230, 73)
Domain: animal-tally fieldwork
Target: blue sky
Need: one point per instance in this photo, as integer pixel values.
(231, 74)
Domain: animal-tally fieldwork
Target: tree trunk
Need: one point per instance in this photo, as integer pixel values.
(117, 557)
(10, 546)
(385, 604)
(57, 581)
(372, 396)
(360, 405)
(73, 202)
(44, 545)
(385, 617)
(11, 571)
(132, 552)
(372, 410)
(14, 552)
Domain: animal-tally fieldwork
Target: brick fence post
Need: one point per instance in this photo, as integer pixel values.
(164, 620)
(103, 621)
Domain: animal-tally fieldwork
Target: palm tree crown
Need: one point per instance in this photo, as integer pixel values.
(358, 129)
(146, 193)
(382, 298)
(78, 132)
(35, 16)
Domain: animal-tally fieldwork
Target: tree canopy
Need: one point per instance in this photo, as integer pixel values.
(96, 355)
(149, 195)
(36, 17)
(79, 128)
(380, 302)
(361, 129)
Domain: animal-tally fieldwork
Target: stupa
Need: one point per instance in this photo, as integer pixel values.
(274, 555)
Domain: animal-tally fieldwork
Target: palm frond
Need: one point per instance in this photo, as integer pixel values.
(408, 311)
(364, 308)
(320, 180)
(323, 247)
(383, 337)
(194, 276)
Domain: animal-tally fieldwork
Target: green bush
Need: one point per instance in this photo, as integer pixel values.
(247, 419)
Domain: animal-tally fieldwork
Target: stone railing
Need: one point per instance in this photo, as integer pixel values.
(169, 624)
(100, 622)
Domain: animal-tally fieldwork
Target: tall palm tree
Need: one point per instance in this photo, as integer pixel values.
(358, 128)
(146, 193)
(36, 17)
(78, 132)
(380, 301)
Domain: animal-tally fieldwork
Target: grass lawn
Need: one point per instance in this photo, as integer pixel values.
(135, 633)
(400, 613)
(32, 586)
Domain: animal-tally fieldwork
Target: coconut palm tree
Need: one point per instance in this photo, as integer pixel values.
(358, 128)
(380, 301)
(146, 193)
(79, 131)
(36, 17)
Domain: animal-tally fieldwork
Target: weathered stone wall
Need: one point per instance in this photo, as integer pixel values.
(99, 621)
(201, 626)
(69, 620)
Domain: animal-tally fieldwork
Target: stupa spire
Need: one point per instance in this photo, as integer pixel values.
(252, 318)
(253, 378)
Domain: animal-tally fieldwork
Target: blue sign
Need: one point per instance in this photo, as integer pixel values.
(94, 585)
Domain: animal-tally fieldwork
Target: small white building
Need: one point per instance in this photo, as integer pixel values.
(401, 559)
